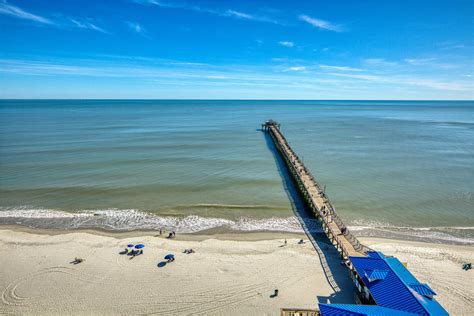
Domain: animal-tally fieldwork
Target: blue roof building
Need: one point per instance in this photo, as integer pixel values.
(388, 287)
(356, 310)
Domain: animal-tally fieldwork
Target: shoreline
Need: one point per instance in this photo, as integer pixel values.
(224, 232)
(214, 233)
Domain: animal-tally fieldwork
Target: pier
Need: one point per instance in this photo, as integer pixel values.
(315, 197)
(384, 286)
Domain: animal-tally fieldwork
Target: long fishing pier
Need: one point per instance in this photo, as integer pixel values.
(383, 284)
(315, 197)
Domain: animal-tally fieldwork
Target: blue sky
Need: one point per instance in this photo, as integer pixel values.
(237, 49)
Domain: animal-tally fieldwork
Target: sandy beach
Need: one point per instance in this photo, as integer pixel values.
(230, 274)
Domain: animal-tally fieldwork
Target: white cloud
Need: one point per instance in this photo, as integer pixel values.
(241, 15)
(87, 25)
(359, 76)
(16, 12)
(419, 61)
(411, 81)
(439, 85)
(137, 28)
(190, 73)
(432, 63)
(296, 68)
(286, 43)
(224, 13)
(340, 68)
(448, 45)
(321, 24)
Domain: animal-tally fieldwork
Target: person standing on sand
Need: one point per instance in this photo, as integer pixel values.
(285, 242)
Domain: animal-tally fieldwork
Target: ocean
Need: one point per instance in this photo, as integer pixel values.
(392, 169)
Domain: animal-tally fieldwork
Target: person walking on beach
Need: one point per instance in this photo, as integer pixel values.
(285, 242)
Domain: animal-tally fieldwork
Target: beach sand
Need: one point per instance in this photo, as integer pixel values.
(228, 277)
(230, 274)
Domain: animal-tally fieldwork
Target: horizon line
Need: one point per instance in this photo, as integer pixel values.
(219, 99)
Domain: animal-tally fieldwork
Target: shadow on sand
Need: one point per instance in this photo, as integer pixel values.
(336, 274)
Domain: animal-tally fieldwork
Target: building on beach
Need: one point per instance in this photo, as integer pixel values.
(385, 287)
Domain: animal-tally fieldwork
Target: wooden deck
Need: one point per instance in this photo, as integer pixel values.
(298, 312)
(346, 243)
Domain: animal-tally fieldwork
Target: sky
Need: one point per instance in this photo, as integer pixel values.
(172, 49)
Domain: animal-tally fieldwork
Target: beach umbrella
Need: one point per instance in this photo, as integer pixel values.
(140, 246)
(169, 256)
(130, 245)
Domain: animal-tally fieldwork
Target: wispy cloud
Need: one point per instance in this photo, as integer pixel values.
(286, 43)
(296, 68)
(19, 13)
(433, 63)
(84, 24)
(339, 68)
(224, 13)
(359, 76)
(450, 45)
(439, 85)
(321, 24)
(192, 74)
(137, 28)
(240, 15)
(459, 46)
(411, 81)
(419, 61)
(65, 22)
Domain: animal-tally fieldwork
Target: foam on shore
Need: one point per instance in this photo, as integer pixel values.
(130, 219)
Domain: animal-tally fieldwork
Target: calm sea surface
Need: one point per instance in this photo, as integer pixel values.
(391, 168)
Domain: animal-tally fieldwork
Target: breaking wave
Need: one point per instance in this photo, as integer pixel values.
(123, 220)
(131, 219)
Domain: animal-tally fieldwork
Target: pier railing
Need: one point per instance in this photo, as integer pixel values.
(313, 192)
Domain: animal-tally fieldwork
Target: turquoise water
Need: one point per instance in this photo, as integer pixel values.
(388, 166)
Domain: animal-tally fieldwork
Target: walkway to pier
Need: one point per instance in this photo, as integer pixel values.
(346, 243)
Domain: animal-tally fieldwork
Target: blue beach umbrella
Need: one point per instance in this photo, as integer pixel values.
(140, 246)
(169, 256)
(130, 245)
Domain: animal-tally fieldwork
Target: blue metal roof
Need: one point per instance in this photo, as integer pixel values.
(356, 310)
(398, 289)
(423, 289)
(376, 274)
